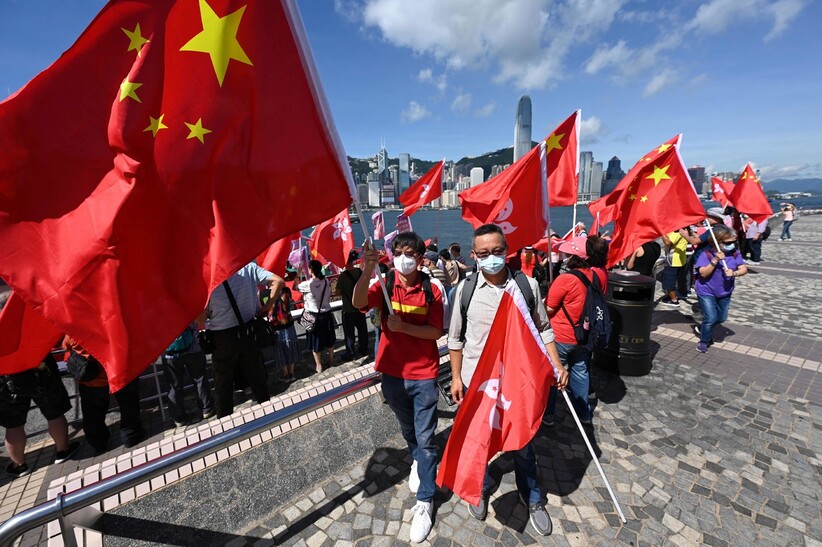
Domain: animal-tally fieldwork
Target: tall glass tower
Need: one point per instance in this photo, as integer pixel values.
(522, 127)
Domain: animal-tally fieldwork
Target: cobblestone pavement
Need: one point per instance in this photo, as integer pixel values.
(723, 448)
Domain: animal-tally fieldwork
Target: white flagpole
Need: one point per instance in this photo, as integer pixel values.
(546, 207)
(710, 229)
(370, 244)
(593, 455)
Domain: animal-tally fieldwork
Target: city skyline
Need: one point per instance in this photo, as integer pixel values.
(442, 79)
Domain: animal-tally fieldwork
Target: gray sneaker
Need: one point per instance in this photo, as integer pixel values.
(540, 519)
(479, 511)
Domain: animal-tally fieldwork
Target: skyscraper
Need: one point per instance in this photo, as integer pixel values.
(477, 176)
(405, 171)
(586, 159)
(697, 174)
(522, 127)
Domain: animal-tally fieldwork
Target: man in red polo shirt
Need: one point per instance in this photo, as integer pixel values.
(408, 359)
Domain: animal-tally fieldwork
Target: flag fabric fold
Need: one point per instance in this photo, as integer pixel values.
(660, 199)
(275, 258)
(334, 239)
(504, 404)
(562, 161)
(379, 225)
(749, 198)
(26, 336)
(607, 206)
(425, 190)
(514, 200)
(167, 148)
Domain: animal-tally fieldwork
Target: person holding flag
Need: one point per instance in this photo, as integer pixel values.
(467, 337)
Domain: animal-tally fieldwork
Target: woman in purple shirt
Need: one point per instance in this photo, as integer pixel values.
(718, 269)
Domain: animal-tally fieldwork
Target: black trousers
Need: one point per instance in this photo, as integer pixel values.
(175, 369)
(94, 401)
(351, 321)
(233, 352)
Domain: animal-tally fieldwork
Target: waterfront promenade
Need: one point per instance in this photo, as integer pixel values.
(723, 448)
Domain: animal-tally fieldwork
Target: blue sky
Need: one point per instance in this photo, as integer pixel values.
(741, 79)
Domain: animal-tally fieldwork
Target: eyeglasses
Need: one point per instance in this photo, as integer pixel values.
(485, 254)
(409, 254)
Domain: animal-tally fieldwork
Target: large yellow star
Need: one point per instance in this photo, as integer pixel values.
(663, 148)
(129, 89)
(136, 39)
(632, 197)
(552, 142)
(219, 39)
(156, 124)
(197, 131)
(643, 199)
(659, 174)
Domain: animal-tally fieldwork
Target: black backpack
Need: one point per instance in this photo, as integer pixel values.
(594, 327)
(389, 286)
(470, 284)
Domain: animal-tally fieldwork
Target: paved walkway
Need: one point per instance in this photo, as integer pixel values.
(722, 448)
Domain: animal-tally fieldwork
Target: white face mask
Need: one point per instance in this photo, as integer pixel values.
(405, 264)
(492, 264)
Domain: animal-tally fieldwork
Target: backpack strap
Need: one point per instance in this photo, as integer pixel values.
(525, 288)
(581, 276)
(236, 309)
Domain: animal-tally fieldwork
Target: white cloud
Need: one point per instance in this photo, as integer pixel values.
(659, 82)
(486, 110)
(771, 172)
(525, 41)
(605, 57)
(426, 75)
(462, 102)
(784, 12)
(415, 112)
(591, 129)
(348, 9)
(716, 16)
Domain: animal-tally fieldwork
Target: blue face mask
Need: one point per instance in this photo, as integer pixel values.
(728, 247)
(492, 264)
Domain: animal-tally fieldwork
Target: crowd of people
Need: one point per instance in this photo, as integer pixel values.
(433, 293)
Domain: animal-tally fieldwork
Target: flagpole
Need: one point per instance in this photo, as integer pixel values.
(593, 455)
(546, 204)
(713, 236)
(370, 244)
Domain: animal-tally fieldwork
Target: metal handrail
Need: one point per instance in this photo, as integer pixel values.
(65, 504)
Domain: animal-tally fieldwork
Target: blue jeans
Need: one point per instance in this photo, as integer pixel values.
(414, 402)
(576, 358)
(714, 312)
(786, 230)
(525, 475)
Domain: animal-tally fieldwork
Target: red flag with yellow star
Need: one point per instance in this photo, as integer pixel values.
(166, 149)
(607, 206)
(562, 159)
(660, 199)
(749, 198)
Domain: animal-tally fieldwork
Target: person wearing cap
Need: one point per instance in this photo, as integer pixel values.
(352, 318)
(429, 261)
(789, 210)
(715, 217)
(566, 303)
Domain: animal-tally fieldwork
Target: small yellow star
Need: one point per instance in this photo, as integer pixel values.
(632, 197)
(136, 39)
(219, 39)
(744, 175)
(553, 142)
(646, 158)
(197, 131)
(643, 199)
(129, 89)
(659, 174)
(156, 124)
(663, 148)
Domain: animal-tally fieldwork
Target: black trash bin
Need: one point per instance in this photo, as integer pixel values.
(630, 302)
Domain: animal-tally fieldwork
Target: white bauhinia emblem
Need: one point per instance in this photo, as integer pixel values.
(342, 229)
(491, 389)
(500, 221)
(718, 189)
(425, 188)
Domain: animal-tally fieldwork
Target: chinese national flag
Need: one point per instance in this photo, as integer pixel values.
(275, 258)
(334, 239)
(173, 143)
(607, 206)
(513, 200)
(505, 401)
(26, 336)
(721, 191)
(425, 190)
(748, 197)
(562, 159)
(660, 200)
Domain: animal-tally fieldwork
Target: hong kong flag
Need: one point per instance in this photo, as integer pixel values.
(514, 200)
(749, 198)
(721, 191)
(505, 401)
(425, 190)
(166, 149)
(275, 258)
(334, 239)
(607, 206)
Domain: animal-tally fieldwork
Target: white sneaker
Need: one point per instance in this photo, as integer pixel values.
(414, 478)
(421, 523)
